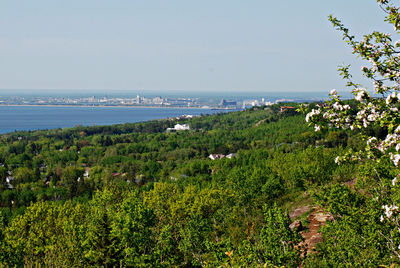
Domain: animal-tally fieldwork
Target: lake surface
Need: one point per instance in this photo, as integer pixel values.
(43, 117)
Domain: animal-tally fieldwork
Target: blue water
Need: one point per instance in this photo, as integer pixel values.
(36, 117)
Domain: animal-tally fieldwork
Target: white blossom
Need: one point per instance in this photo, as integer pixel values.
(308, 117)
(365, 123)
(394, 181)
(373, 139)
(395, 158)
(372, 117)
(312, 113)
(337, 106)
(389, 210)
(391, 98)
(333, 92)
(361, 94)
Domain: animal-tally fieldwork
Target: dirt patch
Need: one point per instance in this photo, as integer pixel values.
(299, 211)
(351, 184)
(317, 219)
(260, 122)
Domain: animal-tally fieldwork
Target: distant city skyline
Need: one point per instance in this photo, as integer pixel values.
(179, 46)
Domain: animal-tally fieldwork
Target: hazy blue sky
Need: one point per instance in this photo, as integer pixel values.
(208, 45)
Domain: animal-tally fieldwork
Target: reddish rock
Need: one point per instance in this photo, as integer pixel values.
(296, 225)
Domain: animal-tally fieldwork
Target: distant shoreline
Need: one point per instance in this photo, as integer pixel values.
(112, 106)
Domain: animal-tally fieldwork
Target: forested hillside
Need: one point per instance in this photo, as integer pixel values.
(137, 195)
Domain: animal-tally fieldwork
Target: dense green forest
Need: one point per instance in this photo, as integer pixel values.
(314, 185)
(136, 195)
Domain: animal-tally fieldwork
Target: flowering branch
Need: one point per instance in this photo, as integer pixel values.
(383, 55)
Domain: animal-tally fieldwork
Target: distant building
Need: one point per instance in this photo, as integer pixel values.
(225, 103)
(186, 116)
(9, 179)
(158, 100)
(182, 127)
(216, 156)
(250, 103)
(283, 100)
(231, 155)
(86, 173)
(179, 127)
(287, 108)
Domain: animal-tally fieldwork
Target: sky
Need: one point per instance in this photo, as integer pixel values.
(179, 45)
